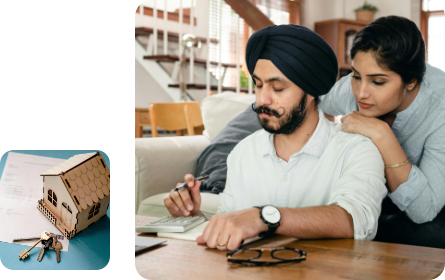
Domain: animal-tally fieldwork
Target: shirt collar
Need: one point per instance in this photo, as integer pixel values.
(314, 146)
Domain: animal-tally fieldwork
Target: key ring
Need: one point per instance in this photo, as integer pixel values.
(54, 237)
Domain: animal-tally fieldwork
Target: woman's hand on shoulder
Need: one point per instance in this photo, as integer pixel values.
(370, 127)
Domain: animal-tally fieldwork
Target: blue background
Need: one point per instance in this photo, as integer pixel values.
(89, 249)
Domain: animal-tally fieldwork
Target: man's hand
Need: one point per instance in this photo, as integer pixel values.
(185, 202)
(227, 231)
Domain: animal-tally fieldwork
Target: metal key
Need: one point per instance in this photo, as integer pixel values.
(57, 246)
(45, 247)
(44, 236)
(37, 238)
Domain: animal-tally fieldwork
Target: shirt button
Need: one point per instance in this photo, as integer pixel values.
(285, 178)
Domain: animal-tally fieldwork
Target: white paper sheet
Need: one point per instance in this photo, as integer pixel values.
(21, 187)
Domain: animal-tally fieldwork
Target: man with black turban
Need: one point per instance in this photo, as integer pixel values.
(300, 176)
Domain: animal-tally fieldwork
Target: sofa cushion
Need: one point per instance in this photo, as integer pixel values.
(213, 160)
(154, 205)
(218, 110)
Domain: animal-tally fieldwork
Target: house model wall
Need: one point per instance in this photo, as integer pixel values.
(76, 193)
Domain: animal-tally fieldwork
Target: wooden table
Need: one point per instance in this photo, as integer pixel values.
(326, 259)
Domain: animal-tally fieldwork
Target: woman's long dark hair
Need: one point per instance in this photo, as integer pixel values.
(396, 44)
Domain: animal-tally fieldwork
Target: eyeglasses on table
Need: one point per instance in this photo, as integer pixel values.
(252, 256)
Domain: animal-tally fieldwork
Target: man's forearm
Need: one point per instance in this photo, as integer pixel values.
(316, 222)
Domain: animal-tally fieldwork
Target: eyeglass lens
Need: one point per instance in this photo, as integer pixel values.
(285, 254)
(245, 255)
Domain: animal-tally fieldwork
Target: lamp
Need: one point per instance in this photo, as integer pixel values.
(189, 41)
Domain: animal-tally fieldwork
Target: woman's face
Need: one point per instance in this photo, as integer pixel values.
(377, 91)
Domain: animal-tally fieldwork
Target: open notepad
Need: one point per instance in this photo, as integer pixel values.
(193, 233)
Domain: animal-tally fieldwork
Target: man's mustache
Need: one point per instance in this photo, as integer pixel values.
(267, 110)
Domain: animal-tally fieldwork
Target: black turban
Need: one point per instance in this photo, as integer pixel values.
(299, 53)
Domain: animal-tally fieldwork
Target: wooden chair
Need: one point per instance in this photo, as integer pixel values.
(175, 117)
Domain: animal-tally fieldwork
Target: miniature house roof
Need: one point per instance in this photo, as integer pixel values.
(86, 177)
(68, 164)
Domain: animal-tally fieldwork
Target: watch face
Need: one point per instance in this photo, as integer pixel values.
(271, 214)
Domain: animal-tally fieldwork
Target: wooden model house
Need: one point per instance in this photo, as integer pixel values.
(76, 193)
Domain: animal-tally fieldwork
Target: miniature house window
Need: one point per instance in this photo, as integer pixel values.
(67, 207)
(52, 198)
(94, 210)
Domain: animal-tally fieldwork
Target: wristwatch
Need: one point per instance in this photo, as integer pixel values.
(271, 216)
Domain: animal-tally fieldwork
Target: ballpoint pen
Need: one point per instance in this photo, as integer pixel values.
(184, 186)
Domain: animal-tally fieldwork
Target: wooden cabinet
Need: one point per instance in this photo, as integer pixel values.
(339, 34)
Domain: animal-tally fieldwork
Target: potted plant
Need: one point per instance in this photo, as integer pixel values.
(365, 12)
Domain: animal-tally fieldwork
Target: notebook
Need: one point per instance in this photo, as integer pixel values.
(144, 243)
(193, 233)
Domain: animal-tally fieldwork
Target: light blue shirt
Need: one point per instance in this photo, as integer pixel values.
(420, 130)
(333, 168)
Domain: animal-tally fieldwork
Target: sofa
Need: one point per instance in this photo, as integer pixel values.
(161, 163)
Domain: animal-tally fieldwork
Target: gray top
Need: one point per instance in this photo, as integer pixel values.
(420, 130)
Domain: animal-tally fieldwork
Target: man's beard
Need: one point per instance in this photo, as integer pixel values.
(294, 118)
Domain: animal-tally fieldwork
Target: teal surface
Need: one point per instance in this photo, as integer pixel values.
(88, 250)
